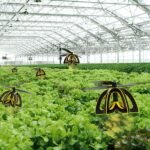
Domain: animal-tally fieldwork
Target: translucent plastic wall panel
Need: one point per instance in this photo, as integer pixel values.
(109, 58)
(135, 56)
(40, 60)
(146, 56)
(130, 57)
(83, 59)
(124, 57)
(45, 59)
(94, 58)
(10, 57)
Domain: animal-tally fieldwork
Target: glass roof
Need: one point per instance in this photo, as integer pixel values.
(31, 26)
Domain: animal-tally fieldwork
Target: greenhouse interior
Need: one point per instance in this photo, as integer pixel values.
(75, 74)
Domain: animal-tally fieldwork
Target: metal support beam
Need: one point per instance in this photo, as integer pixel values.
(101, 57)
(43, 38)
(139, 48)
(37, 21)
(90, 33)
(143, 7)
(118, 52)
(114, 35)
(18, 37)
(101, 49)
(40, 48)
(75, 7)
(48, 30)
(134, 28)
(50, 36)
(14, 15)
(82, 39)
(65, 38)
(52, 14)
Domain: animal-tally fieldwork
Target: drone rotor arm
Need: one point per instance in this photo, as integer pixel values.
(66, 50)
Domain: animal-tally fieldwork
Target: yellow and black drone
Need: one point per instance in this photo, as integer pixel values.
(12, 97)
(29, 58)
(70, 57)
(4, 57)
(40, 72)
(115, 98)
(14, 69)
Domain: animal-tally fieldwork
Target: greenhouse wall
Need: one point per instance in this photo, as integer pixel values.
(113, 57)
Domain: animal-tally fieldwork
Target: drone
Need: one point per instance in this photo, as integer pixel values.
(115, 98)
(40, 72)
(14, 70)
(4, 57)
(29, 58)
(70, 57)
(12, 97)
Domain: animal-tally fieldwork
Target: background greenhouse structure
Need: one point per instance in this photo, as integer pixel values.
(100, 31)
(74, 74)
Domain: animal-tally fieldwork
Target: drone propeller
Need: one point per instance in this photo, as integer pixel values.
(96, 88)
(133, 84)
(100, 83)
(109, 84)
(20, 90)
(23, 91)
(66, 50)
(63, 55)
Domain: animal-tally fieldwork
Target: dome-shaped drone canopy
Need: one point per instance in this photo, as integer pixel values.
(115, 98)
(40, 72)
(70, 58)
(14, 69)
(12, 97)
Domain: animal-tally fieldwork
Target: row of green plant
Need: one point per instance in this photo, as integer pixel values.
(123, 67)
(61, 116)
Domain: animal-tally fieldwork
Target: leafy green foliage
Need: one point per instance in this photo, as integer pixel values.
(123, 67)
(60, 116)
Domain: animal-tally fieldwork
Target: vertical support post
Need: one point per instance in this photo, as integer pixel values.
(118, 50)
(87, 52)
(33, 58)
(47, 57)
(60, 57)
(85, 58)
(139, 49)
(39, 58)
(26, 59)
(42, 56)
(133, 55)
(88, 55)
(22, 59)
(53, 56)
(101, 54)
(15, 60)
(118, 56)
(101, 57)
